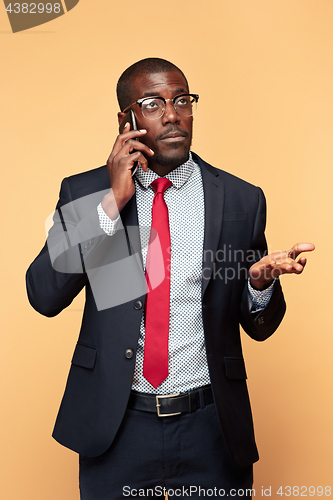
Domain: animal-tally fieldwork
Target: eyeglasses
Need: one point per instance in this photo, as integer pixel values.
(154, 107)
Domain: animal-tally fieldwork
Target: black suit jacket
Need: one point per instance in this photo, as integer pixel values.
(100, 377)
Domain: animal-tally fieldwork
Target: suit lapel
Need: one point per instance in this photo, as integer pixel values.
(214, 202)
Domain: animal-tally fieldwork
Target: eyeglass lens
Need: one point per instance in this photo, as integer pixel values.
(153, 108)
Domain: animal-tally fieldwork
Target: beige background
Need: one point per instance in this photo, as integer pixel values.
(264, 72)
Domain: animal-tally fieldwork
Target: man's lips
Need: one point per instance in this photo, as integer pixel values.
(176, 136)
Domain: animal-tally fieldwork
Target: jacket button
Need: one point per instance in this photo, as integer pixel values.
(261, 320)
(138, 305)
(129, 353)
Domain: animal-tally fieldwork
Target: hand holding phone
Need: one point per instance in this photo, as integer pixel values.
(123, 159)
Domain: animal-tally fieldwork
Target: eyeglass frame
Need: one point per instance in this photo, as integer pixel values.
(140, 101)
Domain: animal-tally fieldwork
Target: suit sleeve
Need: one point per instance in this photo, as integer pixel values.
(262, 324)
(78, 253)
(58, 274)
(49, 290)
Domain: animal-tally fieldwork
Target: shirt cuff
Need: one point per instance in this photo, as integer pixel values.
(258, 299)
(108, 225)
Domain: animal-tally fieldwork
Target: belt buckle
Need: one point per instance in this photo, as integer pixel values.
(158, 405)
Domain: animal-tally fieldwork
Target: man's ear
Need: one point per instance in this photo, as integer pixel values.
(121, 117)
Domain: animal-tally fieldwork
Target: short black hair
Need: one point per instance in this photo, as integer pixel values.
(148, 65)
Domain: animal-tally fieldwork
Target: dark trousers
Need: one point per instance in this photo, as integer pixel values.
(184, 455)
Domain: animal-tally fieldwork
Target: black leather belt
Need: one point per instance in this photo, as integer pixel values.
(172, 404)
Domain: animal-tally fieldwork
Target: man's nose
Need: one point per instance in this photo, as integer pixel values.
(170, 114)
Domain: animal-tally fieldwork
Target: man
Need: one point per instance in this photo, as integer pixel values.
(181, 339)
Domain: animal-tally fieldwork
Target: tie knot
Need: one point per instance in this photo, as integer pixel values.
(160, 185)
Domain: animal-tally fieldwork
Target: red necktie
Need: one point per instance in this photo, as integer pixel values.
(155, 362)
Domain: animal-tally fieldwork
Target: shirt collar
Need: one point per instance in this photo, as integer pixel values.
(178, 176)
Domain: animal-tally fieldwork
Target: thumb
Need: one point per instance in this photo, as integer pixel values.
(299, 248)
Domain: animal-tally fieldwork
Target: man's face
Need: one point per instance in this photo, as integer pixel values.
(170, 136)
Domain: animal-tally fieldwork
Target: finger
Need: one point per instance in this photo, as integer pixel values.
(132, 145)
(292, 267)
(127, 162)
(302, 261)
(144, 166)
(131, 134)
(126, 128)
(128, 148)
(142, 160)
(299, 248)
(122, 138)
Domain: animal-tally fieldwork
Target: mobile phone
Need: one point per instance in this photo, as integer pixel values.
(130, 118)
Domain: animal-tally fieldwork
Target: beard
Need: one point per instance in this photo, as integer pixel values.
(177, 153)
(171, 156)
(174, 159)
